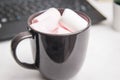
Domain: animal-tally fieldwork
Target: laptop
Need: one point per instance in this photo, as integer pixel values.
(14, 13)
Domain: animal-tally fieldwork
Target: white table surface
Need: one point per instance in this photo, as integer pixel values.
(102, 60)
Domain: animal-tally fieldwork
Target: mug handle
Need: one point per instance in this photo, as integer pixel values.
(21, 36)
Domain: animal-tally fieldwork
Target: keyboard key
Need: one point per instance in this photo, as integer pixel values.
(18, 17)
(11, 18)
(1, 16)
(1, 9)
(4, 20)
(17, 8)
(17, 13)
(83, 8)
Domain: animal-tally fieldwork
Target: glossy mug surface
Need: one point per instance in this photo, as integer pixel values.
(57, 57)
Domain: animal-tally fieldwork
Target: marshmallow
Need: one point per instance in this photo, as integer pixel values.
(39, 27)
(47, 20)
(62, 31)
(72, 21)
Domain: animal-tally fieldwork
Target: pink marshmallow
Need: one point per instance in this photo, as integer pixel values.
(62, 31)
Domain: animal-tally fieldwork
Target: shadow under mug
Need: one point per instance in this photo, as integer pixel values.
(57, 57)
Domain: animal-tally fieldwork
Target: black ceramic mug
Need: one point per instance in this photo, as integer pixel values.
(57, 57)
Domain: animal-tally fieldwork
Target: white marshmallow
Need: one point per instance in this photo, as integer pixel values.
(72, 21)
(48, 21)
(39, 27)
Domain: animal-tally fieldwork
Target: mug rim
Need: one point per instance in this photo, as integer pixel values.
(83, 15)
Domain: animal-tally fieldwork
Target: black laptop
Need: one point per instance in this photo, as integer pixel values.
(14, 13)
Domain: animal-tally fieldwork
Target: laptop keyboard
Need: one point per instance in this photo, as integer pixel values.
(13, 11)
(17, 10)
(20, 10)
